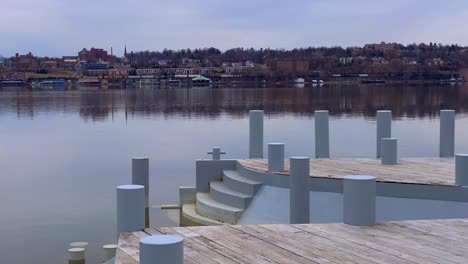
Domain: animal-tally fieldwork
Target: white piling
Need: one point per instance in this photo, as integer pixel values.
(256, 134)
(461, 169)
(359, 195)
(140, 176)
(275, 157)
(322, 137)
(79, 244)
(384, 127)
(389, 150)
(130, 208)
(447, 134)
(162, 249)
(109, 251)
(76, 255)
(299, 190)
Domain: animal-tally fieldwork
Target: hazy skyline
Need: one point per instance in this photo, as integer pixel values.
(63, 27)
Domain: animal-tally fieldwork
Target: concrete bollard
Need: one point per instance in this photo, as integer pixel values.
(447, 134)
(140, 176)
(359, 195)
(275, 157)
(256, 134)
(384, 127)
(162, 249)
(216, 152)
(461, 169)
(299, 203)
(130, 208)
(109, 251)
(389, 150)
(322, 137)
(76, 256)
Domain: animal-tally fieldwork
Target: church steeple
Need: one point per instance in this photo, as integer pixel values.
(125, 52)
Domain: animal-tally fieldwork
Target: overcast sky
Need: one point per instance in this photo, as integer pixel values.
(63, 27)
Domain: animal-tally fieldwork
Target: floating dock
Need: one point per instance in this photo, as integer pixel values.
(423, 241)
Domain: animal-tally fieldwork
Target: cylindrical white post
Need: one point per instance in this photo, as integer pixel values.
(256, 134)
(384, 127)
(447, 133)
(389, 150)
(109, 251)
(76, 255)
(322, 138)
(140, 176)
(162, 249)
(79, 244)
(275, 157)
(299, 203)
(461, 169)
(130, 208)
(359, 195)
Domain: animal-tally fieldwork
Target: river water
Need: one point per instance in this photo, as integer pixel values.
(62, 153)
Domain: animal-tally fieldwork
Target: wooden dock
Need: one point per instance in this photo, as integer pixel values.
(432, 171)
(423, 241)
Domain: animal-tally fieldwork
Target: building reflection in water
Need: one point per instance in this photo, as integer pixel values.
(404, 101)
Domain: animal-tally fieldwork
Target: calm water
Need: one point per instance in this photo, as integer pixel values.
(63, 153)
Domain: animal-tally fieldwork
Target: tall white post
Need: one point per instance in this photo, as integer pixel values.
(447, 133)
(461, 169)
(130, 208)
(275, 157)
(109, 251)
(322, 137)
(384, 127)
(389, 150)
(76, 256)
(299, 203)
(256, 134)
(140, 176)
(162, 249)
(359, 195)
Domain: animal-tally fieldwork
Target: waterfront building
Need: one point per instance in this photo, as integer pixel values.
(92, 54)
(25, 62)
(2, 62)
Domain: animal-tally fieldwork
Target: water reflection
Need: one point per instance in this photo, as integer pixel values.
(362, 100)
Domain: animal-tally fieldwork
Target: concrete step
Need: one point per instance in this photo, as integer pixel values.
(189, 212)
(239, 183)
(223, 194)
(208, 207)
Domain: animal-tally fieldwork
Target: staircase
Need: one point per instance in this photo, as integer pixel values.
(225, 202)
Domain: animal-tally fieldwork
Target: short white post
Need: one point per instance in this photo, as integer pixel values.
(216, 152)
(384, 127)
(447, 134)
(389, 150)
(162, 249)
(299, 203)
(76, 255)
(130, 208)
(461, 169)
(109, 251)
(275, 157)
(359, 195)
(140, 176)
(79, 244)
(256, 134)
(322, 137)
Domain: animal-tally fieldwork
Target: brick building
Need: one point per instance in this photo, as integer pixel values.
(25, 62)
(93, 55)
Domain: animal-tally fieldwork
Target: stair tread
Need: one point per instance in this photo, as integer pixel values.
(236, 176)
(221, 187)
(190, 212)
(208, 200)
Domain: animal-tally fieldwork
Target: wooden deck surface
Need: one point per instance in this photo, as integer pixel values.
(433, 171)
(425, 241)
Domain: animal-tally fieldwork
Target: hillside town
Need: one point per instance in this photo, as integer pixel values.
(381, 62)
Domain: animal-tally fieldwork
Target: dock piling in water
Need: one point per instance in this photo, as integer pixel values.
(109, 251)
(322, 134)
(140, 176)
(389, 150)
(256, 134)
(384, 127)
(359, 195)
(76, 255)
(447, 134)
(299, 202)
(461, 169)
(162, 249)
(275, 157)
(130, 208)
